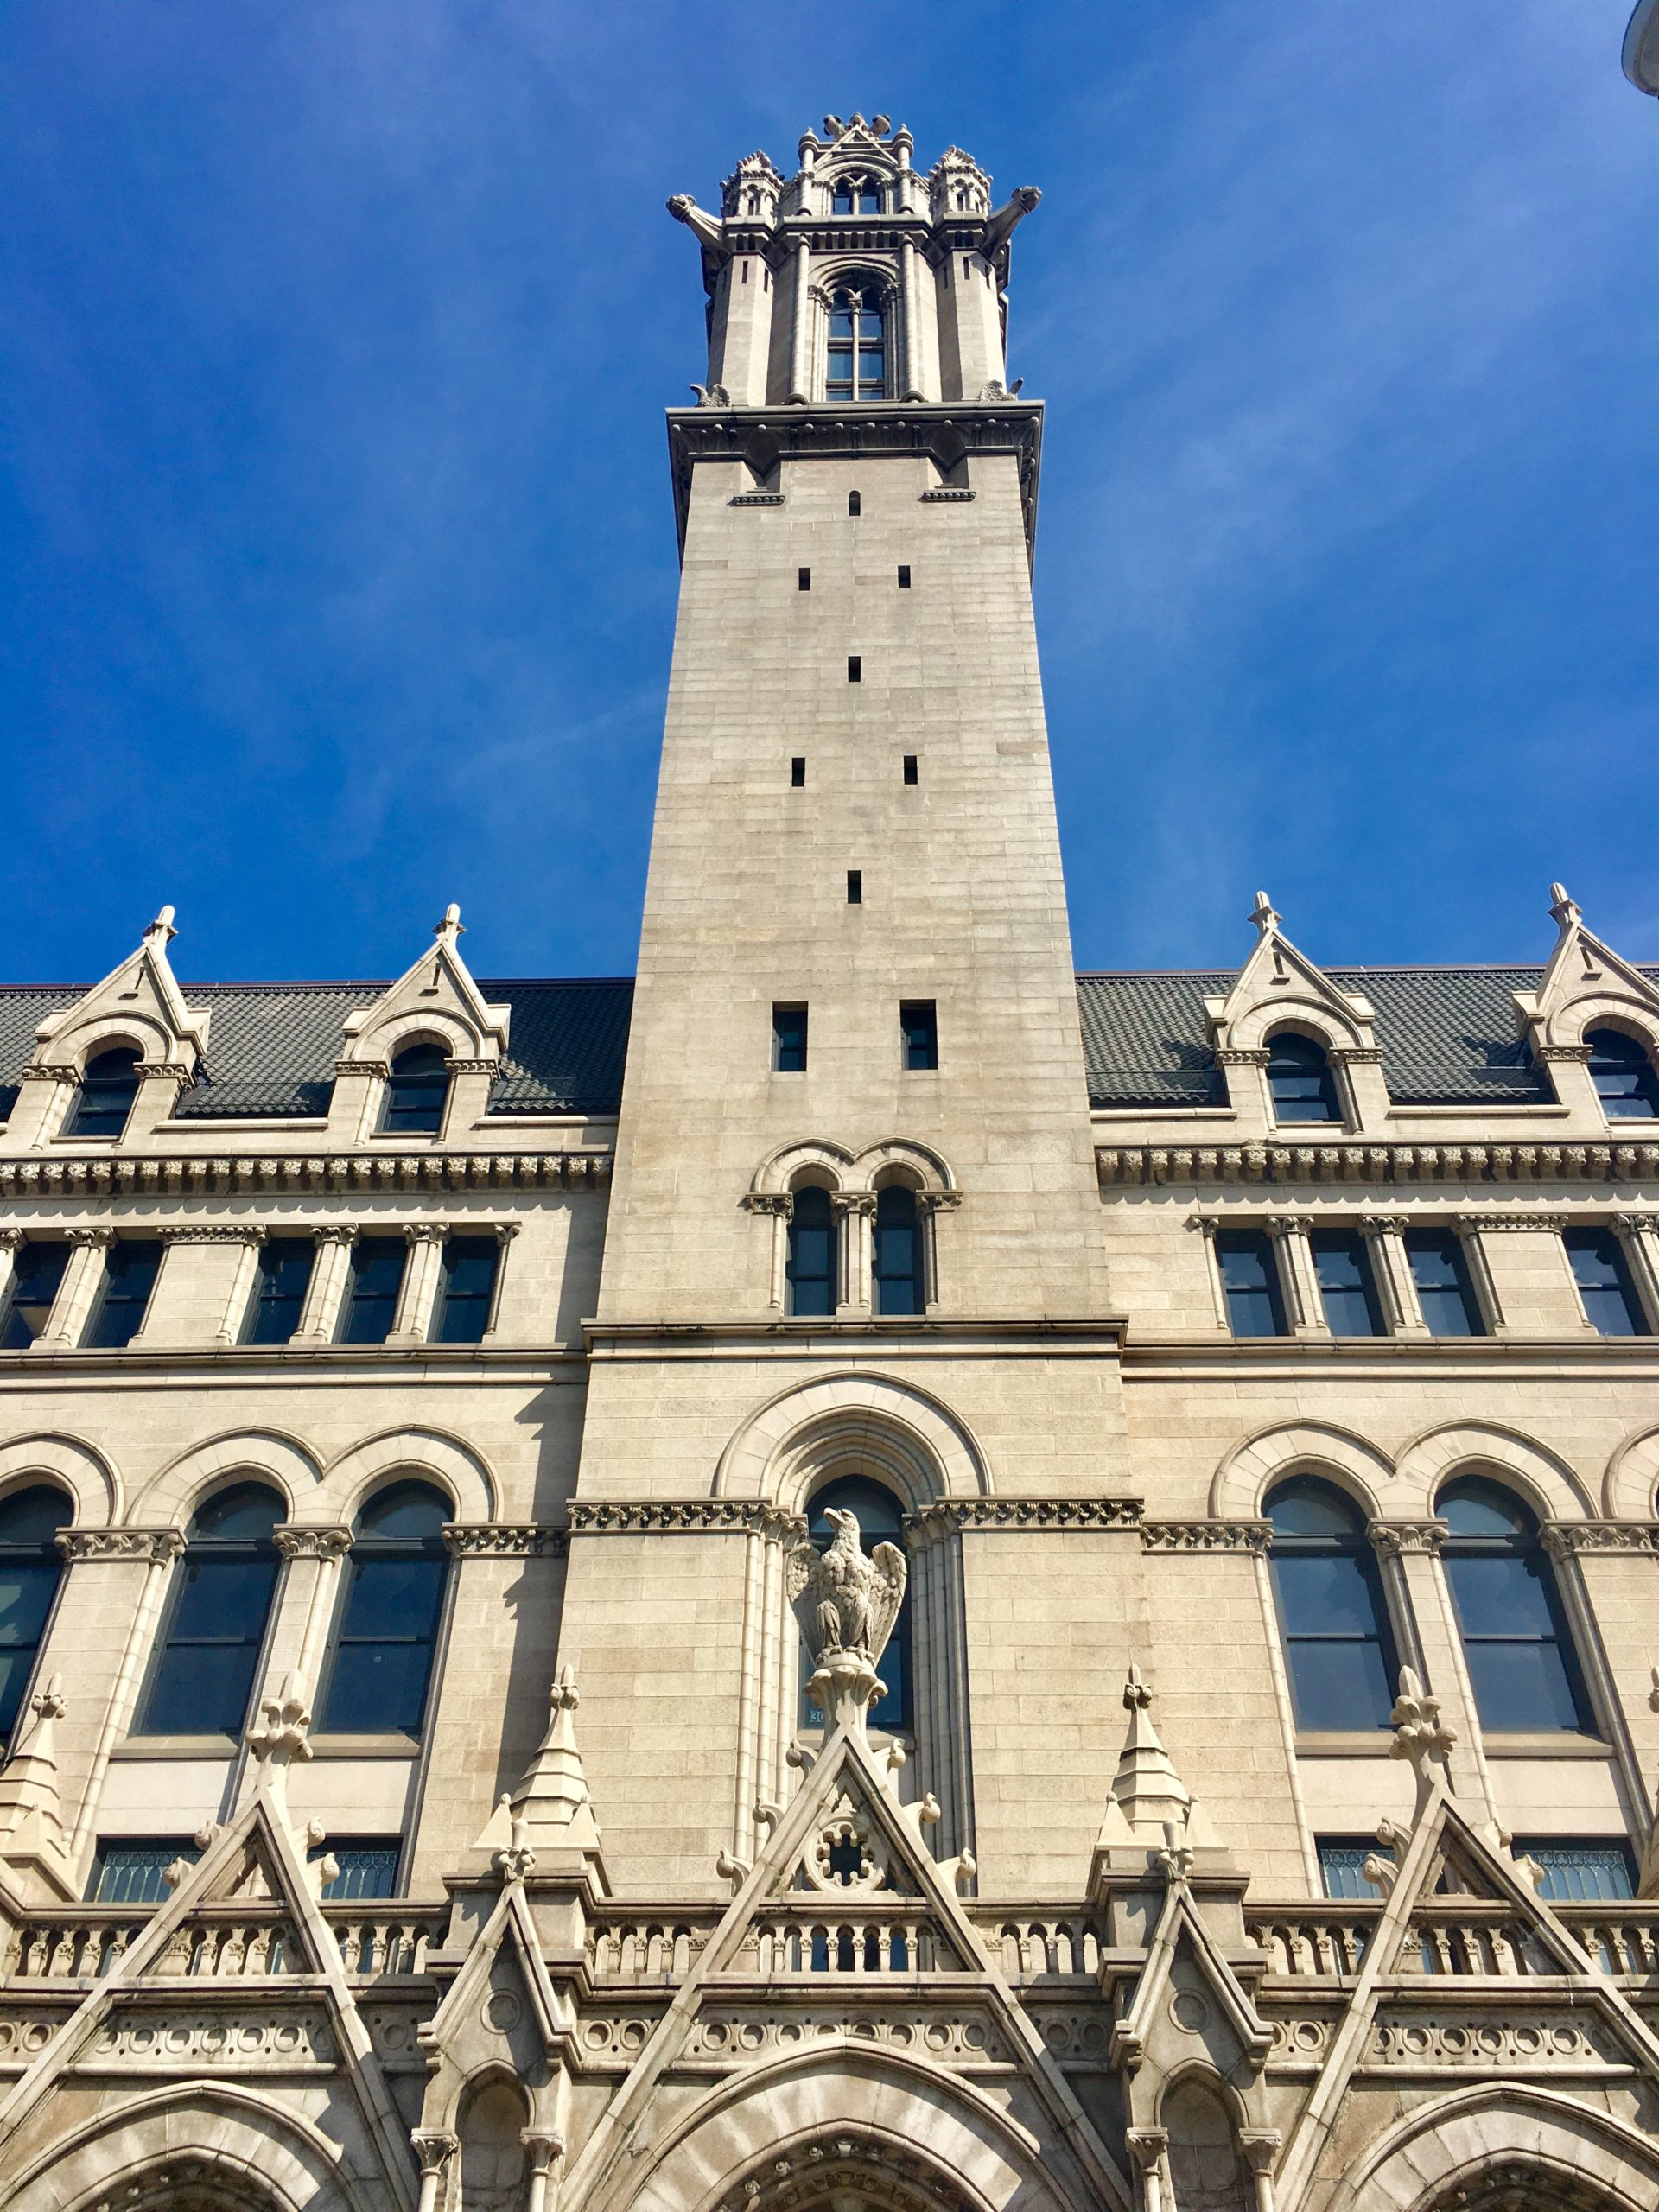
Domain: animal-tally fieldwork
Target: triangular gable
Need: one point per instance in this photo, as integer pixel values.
(140, 1000)
(1181, 1934)
(506, 1941)
(438, 987)
(1279, 980)
(1585, 978)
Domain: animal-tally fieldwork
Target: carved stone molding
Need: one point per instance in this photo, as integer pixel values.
(1563, 1538)
(842, 2167)
(1527, 1162)
(843, 1204)
(1562, 1053)
(778, 1202)
(148, 1544)
(219, 1174)
(1242, 1056)
(296, 1539)
(36, 1073)
(97, 1238)
(204, 1233)
(948, 1515)
(1494, 1217)
(504, 1540)
(1393, 1538)
(473, 1067)
(381, 1068)
(683, 1515)
(938, 1201)
(1206, 1535)
(10, 1239)
(1355, 1056)
(174, 1069)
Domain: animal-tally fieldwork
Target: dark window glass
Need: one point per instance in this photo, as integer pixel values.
(1603, 1274)
(415, 1091)
(1580, 1870)
(1623, 1075)
(810, 1272)
(1342, 1267)
(129, 1872)
(855, 668)
(108, 1086)
(798, 772)
(217, 1608)
(918, 1022)
(910, 767)
(881, 1520)
(1444, 1290)
(904, 576)
(804, 579)
(1515, 1637)
(368, 1866)
(897, 1260)
(1342, 1860)
(1250, 1278)
(789, 1039)
(1298, 1077)
(371, 1287)
(389, 1615)
(855, 504)
(467, 1290)
(854, 886)
(279, 1290)
(1332, 1619)
(131, 1266)
(34, 1289)
(855, 365)
(30, 1565)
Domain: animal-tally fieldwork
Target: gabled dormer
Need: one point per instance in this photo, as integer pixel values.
(419, 1062)
(1300, 1056)
(1593, 1023)
(109, 1068)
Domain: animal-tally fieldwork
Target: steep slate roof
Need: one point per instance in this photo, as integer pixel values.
(272, 1046)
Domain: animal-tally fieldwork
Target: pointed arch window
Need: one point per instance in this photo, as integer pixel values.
(1623, 1072)
(855, 195)
(881, 1520)
(1333, 1619)
(1300, 1079)
(418, 1090)
(203, 1675)
(857, 362)
(1516, 1640)
(390, 1613)
(109, 1085)
(814, 1254)
(31, 1567)
(896, 1268)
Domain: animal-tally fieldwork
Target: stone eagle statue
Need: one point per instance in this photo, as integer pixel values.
(843, 1601)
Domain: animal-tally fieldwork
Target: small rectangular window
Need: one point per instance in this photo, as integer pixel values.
(804, 579)
(370, 1305)
(36, 1275)
(1580, 1870)
(855, 505)
(1603, 1275)
(130, 1870)
(798, 772)
(279, 1289)
(855, 668)
(368, 1868)
(920, 1025)
(1342, 1860)
(789, 1039)
(129, 1272)
(903, 575)
(910, 767)
(1341, 1268)
(465, 1289)
(1249, 1279)
(854, 886)
(1444, 1290)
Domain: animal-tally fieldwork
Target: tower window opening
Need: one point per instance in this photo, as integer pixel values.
(855, 195)
(804, 579)
(856, 363)
(855, 505)
(814, 1254)
(910, 767)
(918, 1022)
(903, 575)
(855, 668)
(789, 1039)
(798, 772)
(896, 1253)
(854, 886)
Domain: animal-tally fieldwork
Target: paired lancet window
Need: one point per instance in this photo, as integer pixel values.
(856, 363)
(855, 195)
(1332, 1620)
(1515, 1640)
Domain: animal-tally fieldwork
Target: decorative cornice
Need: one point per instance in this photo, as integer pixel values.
(504, 1540)
(948, 1515)
(1563, 1538)
(1562, 1053)
(115, 1175)
(1394, 1539)
(147, 1544)
(1206, 1535)
(1491, 1217)
(1571, 1161)
(683, 1516)
(36, 1073)
(298, 1540)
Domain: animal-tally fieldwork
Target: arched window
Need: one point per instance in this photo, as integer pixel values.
(1516, 1639)
(493, 2123)
(1623, 1075)
(897, 1260)
(109, 1084)
(1205, 2168)
(30, 1565)
(1332, 1617)
(389, 1615)
(881, 1520)
(855, 195)
(416, 1091)
(204, 1669)
(1299, 1078)
(814, 1254)
(857, 360)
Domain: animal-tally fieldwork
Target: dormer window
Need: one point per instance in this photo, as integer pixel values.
(1300, 1079)
(1623, 1075)
(856, 366)
(855, 195)
(109, 1085)
(416, 1091)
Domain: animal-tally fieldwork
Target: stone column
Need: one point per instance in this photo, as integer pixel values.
(9, 1240)
(930, 1205)
(415, 1300)
(1207, 1224)
(1147, 2147)
(192, 1298)
(853, 1212)
(306, 1606)
(1392, 1272)
(1566, 1543)
(1640, 1238)
(1468, 1227)
(433, 2148)
(545, 2149)
(328, 1284)
(910, 309)
(78, 1287)
(800, 334)
(1414, 1545)
(103, 1629)
(1260, 2149)
(776, 1206)
(1304, 1309)
(240, 1288)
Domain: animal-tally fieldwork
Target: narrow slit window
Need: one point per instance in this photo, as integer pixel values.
(896, 1255)
(903, 575)
(910, 767)
(798, 772)
(789, 1039)
(854, 886)
(855, 505)
(855, 668)
(813, 1258)
(918, 1022)
(31, 1567)
(804, 579)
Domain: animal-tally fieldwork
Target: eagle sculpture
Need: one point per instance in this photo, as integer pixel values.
(843, 1600)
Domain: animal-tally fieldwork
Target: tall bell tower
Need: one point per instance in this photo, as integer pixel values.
(854, 1136)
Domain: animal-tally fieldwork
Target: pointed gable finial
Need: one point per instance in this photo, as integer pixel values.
(449, 928)
(552, 1808)
(282, 1736)
(1421, 1736)
(1266, 921)
(1562, 909)
(1148, 1798)
(160, 932)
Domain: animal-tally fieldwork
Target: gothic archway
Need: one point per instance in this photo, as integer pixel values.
(846, 2171)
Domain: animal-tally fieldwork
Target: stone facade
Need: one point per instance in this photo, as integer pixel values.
(1086, 1905)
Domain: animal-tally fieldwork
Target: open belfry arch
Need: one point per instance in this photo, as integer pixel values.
(855, 1573)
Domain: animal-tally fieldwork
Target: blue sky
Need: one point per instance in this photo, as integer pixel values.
(335, 534)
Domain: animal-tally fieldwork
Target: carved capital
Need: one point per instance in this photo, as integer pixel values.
(433, 2147)
(335, 1232)
(1261, 2147)
(94, 1238)
(176, 1068)
(1147, 2145)
(381, 1068)
(473, 1067)
(1562, 1053)
(147, 1544)
(296, 1539)
(938, 1201)
(775, 1202)
(426, 1232)
(542, 2145)
(1355, 1056)
(845, 1203)
(503, 1540)
(36, 1073)
(1393, 1538)
(10, 1239)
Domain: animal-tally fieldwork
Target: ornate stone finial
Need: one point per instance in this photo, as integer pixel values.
(1562, 910)
(160, 932)
(1421, 1736)
(282, 1737)
(847, 1604)
(1265, 920)
(1148, 1796)
(451, 927)
(551, 1809)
